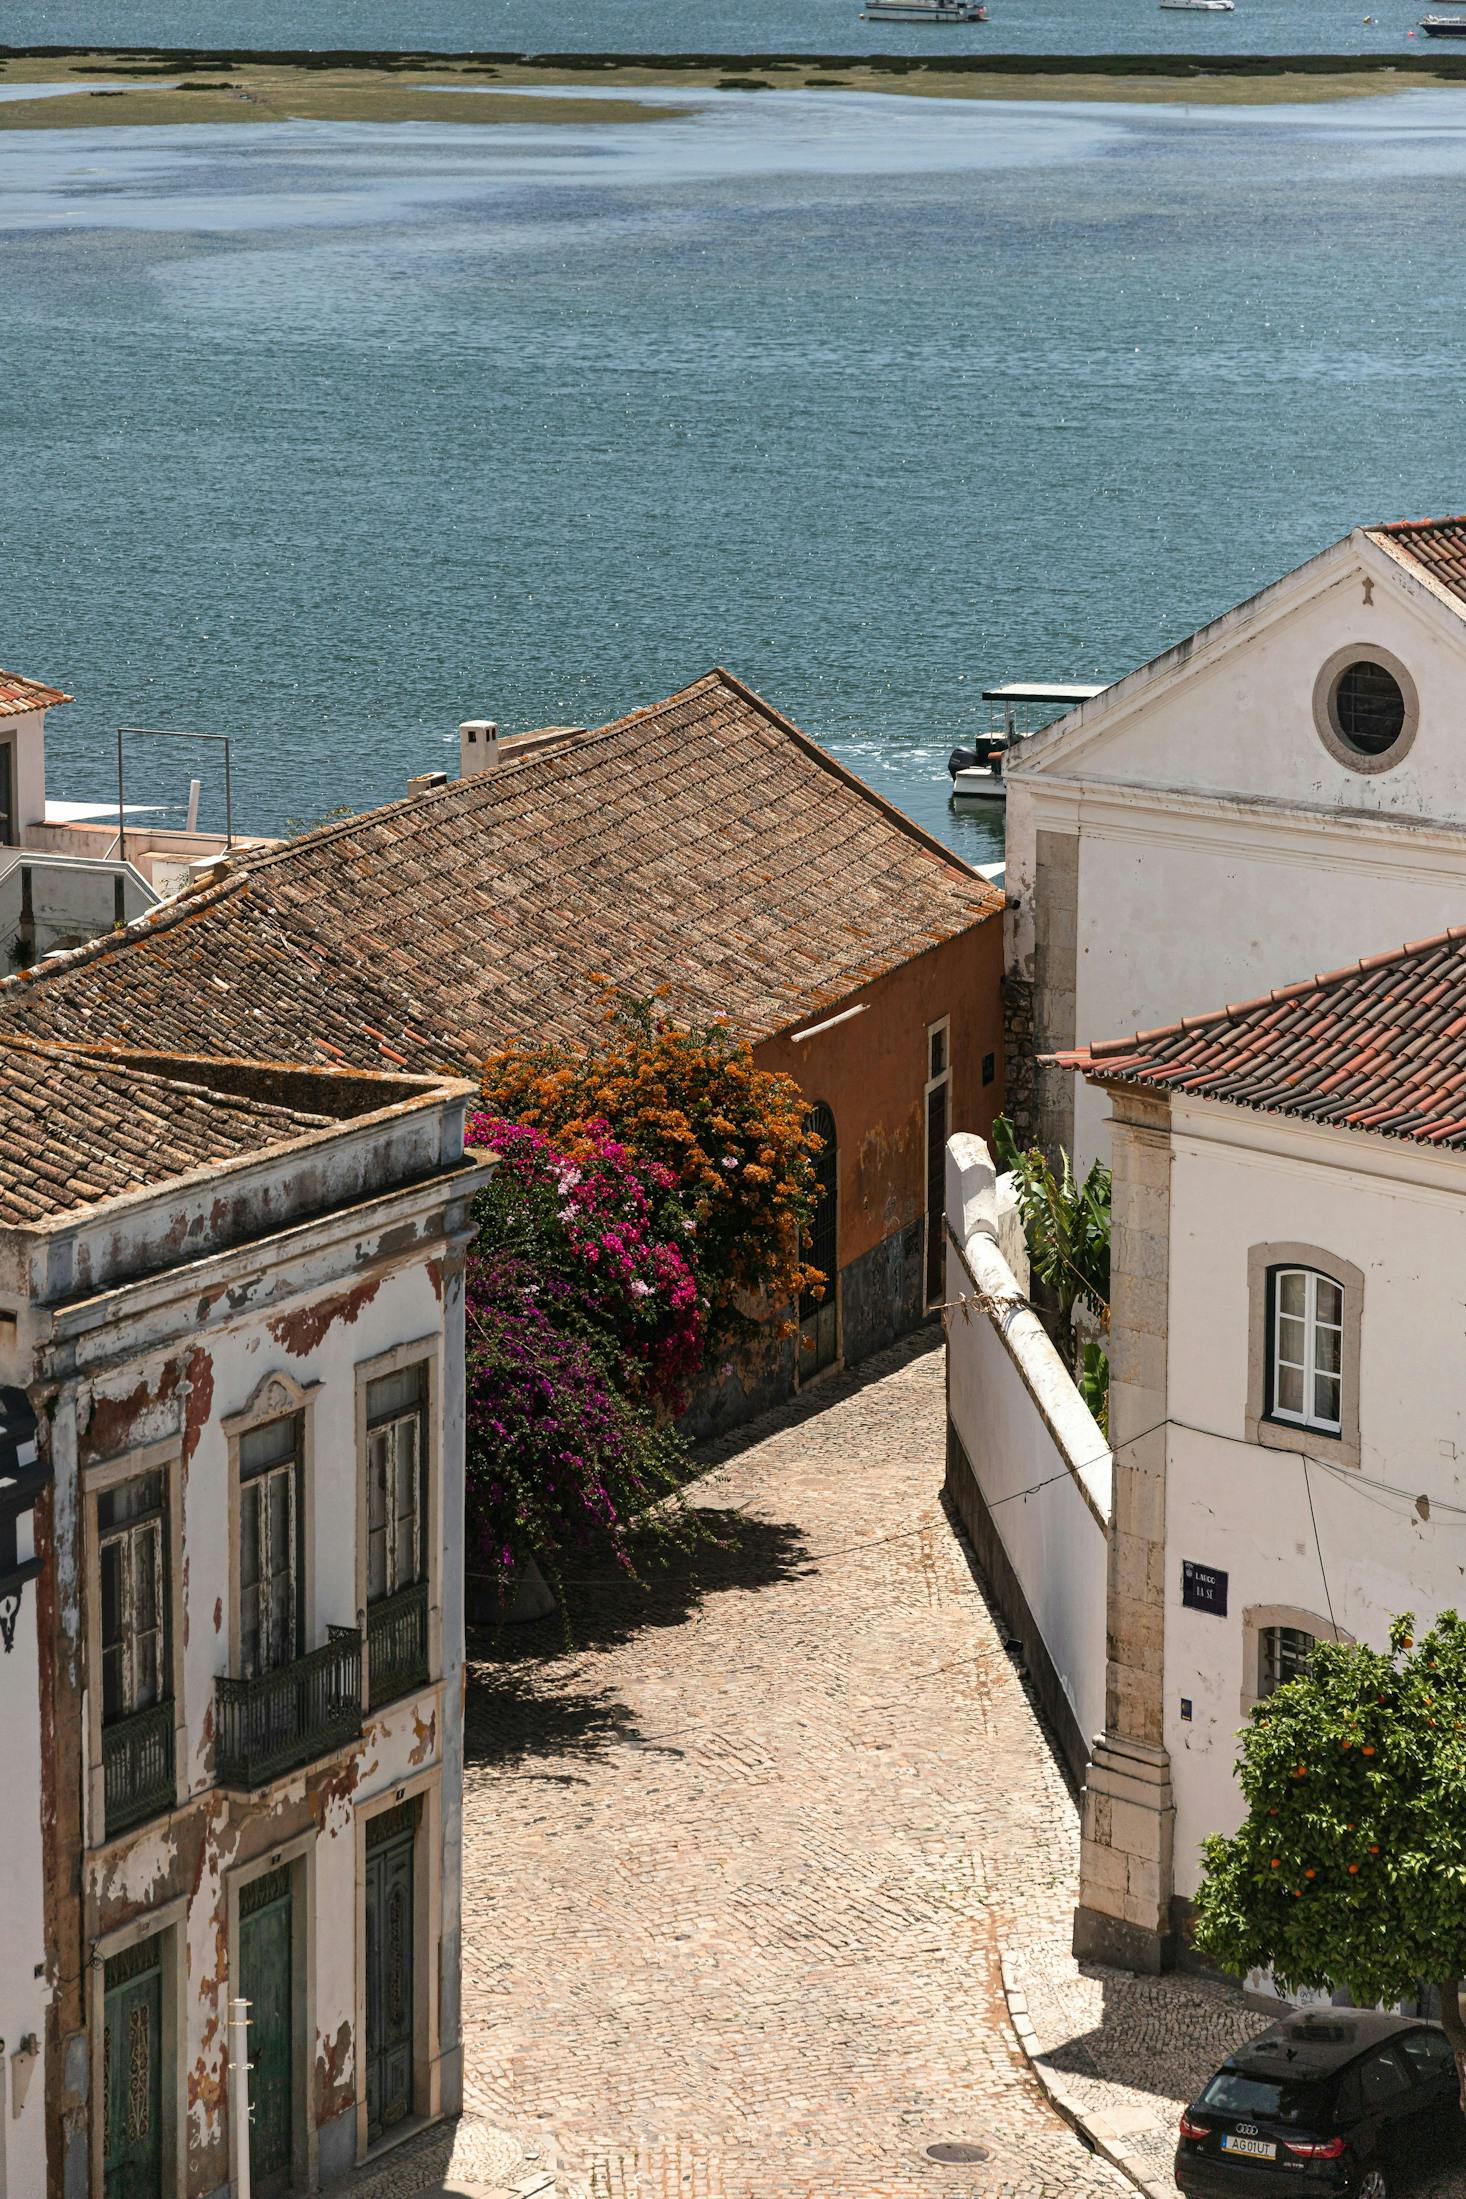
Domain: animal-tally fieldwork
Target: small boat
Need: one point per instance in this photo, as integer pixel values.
(925, 11)
(1443, 26)
(1202, 7)
(1018, 708)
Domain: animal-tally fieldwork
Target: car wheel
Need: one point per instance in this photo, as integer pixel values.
(1374, 2184)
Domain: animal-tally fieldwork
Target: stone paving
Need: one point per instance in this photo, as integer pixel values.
(739, 1865)
(1127, 2053)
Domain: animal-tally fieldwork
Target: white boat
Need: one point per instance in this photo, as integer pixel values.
(1020, 707)
(1202, 7)
(925, 11)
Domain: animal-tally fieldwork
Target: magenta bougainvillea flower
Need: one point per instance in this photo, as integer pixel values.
(584, 1327)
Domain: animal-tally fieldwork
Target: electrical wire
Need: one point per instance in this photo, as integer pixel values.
(1318, 1546)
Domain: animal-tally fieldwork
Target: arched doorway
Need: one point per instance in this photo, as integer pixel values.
(819, 1318)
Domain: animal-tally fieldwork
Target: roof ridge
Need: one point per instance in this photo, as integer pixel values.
(1415, 526)
(435, 797)
(480, 782)
(1106, 1049)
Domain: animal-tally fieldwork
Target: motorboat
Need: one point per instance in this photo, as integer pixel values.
(924, 11)
(1443, 26)
(1202, 7)
(1016, 710)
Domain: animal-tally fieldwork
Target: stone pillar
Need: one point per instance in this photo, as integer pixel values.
(1125, 1871)
(1055, 980)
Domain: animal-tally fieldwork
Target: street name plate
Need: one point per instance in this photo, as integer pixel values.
(1203, 1588)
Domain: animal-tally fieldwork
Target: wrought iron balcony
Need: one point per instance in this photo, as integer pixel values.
(291, 1716)
(397, 1645)
(137, 1768)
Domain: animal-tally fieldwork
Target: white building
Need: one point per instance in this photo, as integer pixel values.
(1286, 1410)
(231, 1296)
(70, 871)
(1279, 792)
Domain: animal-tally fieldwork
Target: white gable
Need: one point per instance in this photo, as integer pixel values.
(1232, 711)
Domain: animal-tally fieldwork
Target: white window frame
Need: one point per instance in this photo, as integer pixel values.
(427, 1352)
(1264, 1425)
(276, 1396)
(162, 1458)
(386, 1428)
(1308, 1416)
(152, 1527)
(254, 1488)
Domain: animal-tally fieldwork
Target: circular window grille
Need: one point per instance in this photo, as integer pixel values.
(1366, 708)
(1369, 708)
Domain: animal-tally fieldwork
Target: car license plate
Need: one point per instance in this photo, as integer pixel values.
(1256, 2149)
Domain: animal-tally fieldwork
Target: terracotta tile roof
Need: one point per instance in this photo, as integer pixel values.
(75, 1129)
(1378, 1046)
(705, 845)
(17, 695)
(1438, 546)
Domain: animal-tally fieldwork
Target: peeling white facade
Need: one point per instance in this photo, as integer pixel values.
(1189, 837)
(166, 1337)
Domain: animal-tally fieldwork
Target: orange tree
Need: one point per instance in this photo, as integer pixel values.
(1350, 1867)
(730, 1135)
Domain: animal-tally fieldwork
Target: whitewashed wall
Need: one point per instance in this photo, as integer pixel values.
(1223, 849)
(23, 1996)
(1397, 1213)
(1041, 1466)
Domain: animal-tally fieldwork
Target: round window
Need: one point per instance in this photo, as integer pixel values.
(1368, 708)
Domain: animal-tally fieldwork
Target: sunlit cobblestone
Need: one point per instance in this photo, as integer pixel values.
(738, 1866)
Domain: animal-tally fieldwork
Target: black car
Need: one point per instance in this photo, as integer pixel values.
(1339, 2100)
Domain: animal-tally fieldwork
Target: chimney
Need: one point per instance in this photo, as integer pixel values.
(478, 747)
(425, 782)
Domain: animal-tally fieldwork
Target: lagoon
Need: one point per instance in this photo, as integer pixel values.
(329, 435)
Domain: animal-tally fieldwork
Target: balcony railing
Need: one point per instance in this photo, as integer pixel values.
(137, 1767)
(290, 1716)
(397, 1645)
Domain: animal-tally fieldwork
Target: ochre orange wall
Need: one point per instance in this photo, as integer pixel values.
(872, 1072)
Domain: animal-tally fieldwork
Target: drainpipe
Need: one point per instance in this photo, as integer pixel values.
(239, 2093)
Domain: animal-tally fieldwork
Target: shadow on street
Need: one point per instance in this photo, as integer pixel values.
(526, 1691)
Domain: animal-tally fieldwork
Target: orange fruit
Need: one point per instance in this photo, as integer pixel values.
(1352, 1868)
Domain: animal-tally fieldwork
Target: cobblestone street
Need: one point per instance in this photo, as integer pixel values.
(739, 1866)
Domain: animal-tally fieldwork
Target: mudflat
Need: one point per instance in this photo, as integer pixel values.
(77, 88)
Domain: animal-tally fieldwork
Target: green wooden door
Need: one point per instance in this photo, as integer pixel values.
(132, 2067)
(389, 1969)
(265, 1979)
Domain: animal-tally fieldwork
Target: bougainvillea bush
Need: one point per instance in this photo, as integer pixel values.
(606, 1235)
(584, 1325)
(559, 1458)
(729, 1142)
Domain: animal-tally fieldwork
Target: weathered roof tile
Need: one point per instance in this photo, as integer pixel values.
(18, 695)
(704, 845)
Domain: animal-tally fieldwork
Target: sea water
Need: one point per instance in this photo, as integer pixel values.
(712, 26)
(327, 437)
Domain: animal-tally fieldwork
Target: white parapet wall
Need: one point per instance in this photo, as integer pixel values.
(1028, 1468)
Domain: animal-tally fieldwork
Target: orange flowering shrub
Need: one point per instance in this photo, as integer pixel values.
(731, 1135)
